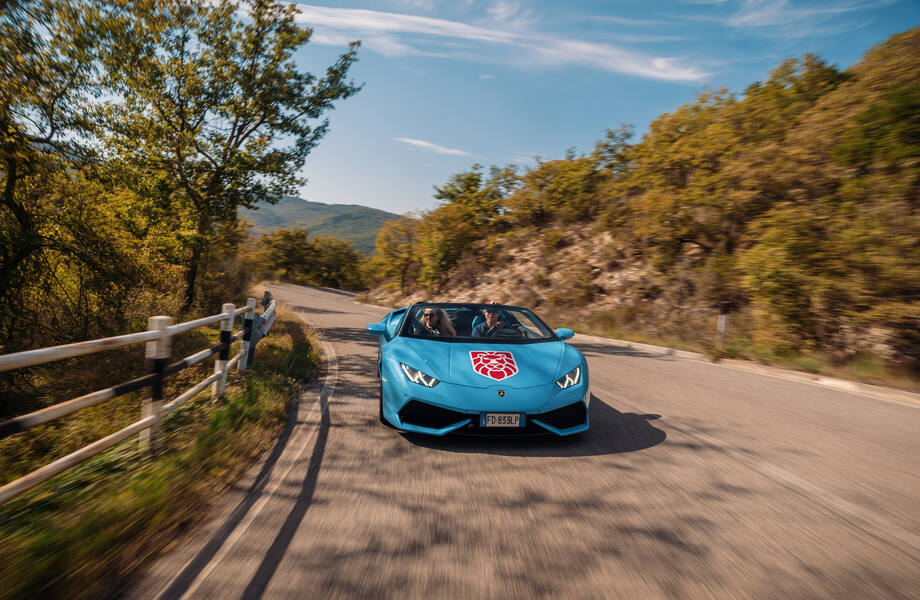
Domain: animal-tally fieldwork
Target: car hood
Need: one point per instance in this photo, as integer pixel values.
(536, 364)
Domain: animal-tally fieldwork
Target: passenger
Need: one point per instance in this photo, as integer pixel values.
(434, 322)
(491, 324)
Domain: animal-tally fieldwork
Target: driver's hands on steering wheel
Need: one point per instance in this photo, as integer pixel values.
(503, 329)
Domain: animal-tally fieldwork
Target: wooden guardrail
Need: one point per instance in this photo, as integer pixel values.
(158, 337)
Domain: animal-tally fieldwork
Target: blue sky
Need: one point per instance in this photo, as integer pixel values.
(450, 83)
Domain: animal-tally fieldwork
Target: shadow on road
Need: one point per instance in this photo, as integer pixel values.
(611, 432)
(181, 584)
(316, 311)
(350, 335)
(189, 574)
(275, 553)
(314, 287)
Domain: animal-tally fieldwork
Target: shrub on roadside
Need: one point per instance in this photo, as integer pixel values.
(84, 533)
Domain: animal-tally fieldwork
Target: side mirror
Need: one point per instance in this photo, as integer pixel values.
(377, 329)
(564, 333)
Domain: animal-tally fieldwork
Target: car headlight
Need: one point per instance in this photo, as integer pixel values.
(570, 378)
(416, 376)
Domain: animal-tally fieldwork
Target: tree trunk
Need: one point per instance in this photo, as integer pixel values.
(191, 275)
(21, 245)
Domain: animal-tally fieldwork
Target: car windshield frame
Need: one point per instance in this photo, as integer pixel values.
(405, 328)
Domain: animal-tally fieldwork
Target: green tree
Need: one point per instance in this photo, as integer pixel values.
(612, 153)
(396, 252)
(471, 210)
(215, 108)
(336, 264)
(288, 252)
(849, 228)
(47, 69)
(771, 109)
(557, 190)
(679, 186)
(326, 261)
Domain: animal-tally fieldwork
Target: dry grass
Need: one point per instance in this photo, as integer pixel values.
(84, 533)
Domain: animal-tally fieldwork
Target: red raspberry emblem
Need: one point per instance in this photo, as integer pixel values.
(494, 365)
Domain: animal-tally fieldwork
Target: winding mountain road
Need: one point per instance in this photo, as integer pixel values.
(695, 481)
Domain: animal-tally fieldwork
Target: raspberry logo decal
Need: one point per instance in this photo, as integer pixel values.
(494, 365)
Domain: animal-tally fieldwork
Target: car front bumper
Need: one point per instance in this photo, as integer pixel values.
(447, 407)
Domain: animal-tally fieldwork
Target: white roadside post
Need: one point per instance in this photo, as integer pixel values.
(157, 355)
(722, 324)
(248, 318)
(220, 365)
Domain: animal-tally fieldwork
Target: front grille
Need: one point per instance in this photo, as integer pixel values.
(570, 415)
(422, 414)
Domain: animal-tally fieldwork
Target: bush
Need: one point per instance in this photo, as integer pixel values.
(83, 533)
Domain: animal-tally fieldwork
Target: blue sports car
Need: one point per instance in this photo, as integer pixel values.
(479, 369)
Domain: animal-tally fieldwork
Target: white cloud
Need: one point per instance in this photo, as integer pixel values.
(612, 58)
(420, 4)
(428, 146)
(371, 21)
(762, 13)
(623, 21)
(396, 34)
(486, 76)
(645, 37)
(510, 13)
(784, 18)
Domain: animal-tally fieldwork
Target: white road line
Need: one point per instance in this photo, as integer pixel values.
(858, 516)
(329, 382)
(835, 384)
(357, 307)
(841, 385)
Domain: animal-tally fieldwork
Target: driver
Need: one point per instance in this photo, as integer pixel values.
(491, 323)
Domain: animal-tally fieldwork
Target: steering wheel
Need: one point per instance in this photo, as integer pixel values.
(508, 331)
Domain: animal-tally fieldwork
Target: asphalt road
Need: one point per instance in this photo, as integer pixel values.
(695, 481)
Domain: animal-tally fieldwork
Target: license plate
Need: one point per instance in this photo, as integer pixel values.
(501, 420)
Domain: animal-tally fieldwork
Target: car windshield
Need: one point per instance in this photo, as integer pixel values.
(480, 322)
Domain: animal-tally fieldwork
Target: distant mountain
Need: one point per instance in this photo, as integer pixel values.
(353, 222)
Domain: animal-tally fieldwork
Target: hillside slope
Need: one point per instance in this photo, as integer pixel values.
(355, 223)
(572, 276)
(793, 206)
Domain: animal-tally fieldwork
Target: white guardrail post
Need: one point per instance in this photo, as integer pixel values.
(220, 365)
(248, 318)
(157, 353)
(158, 337)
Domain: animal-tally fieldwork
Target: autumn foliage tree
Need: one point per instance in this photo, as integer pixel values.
(470, 210)
(61, 252)
(215, 109)
(396, 254)
(292, 255)
(796, 199)
(130, 134)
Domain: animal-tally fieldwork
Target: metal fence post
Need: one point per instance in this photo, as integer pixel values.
(248, 318)
(157, 355)
(220, 365)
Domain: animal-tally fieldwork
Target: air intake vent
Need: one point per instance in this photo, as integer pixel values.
(423, 414)
(570, 415)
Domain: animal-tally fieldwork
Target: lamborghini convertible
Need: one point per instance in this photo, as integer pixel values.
(479, 369)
